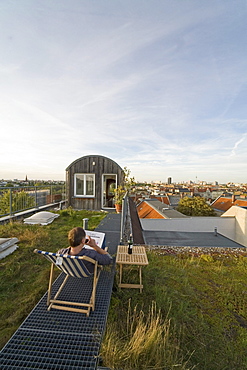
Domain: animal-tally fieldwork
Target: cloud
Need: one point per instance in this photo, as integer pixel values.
(237, 144)
(149, 86)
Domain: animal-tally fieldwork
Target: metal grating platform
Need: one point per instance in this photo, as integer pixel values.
(49, 350)
(60, 339)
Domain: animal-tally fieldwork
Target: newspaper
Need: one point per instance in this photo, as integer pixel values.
(97, 236)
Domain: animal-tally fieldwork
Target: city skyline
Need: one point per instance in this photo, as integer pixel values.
(157, 182)
(159, 87)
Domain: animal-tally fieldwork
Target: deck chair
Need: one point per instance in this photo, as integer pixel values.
(72, 266)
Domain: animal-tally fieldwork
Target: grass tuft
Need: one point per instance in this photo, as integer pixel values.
(146, 342)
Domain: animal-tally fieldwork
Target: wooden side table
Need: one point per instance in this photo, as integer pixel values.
(138, 258)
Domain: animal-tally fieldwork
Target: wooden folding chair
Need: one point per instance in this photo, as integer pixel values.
(72, 266)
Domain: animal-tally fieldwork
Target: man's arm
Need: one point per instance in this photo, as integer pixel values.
(92, 243)
(102, 256)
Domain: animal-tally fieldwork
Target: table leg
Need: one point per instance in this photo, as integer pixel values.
(140, 274)
(130, 285)
(120, 273)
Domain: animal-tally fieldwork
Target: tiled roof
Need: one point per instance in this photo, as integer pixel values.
(224, 203)
(240, 202)
(145, 210)
(153, 208)
(163, 199)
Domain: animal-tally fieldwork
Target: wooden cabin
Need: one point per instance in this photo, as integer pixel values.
(90, 182)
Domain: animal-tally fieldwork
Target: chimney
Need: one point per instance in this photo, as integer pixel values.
(215, 231)
(233, 198)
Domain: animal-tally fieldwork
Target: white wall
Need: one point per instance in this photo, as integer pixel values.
(240, 215)
(225, 226)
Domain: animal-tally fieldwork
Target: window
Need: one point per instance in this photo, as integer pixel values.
(84, 184)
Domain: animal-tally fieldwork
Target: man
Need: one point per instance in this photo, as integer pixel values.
(77, 241)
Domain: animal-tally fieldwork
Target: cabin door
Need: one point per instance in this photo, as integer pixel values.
(109, 184)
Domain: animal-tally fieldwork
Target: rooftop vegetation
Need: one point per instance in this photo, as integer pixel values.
(192, 313)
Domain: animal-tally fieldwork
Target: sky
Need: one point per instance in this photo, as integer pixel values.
(158, 86)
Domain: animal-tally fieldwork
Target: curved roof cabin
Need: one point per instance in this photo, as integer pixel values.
(90, 181)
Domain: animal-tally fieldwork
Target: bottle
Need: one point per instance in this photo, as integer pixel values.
(130, 244)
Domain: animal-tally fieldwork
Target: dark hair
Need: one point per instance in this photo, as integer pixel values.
(75, 236)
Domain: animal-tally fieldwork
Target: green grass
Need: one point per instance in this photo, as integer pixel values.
(23, 274)
(192, 313)
(200, 318)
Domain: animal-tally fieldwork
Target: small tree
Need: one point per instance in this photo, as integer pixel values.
(19, 201)
(195, 206)
(129, 182)
(121, 190)
(119, 194)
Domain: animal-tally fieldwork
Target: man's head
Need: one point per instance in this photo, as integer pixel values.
(75, 236)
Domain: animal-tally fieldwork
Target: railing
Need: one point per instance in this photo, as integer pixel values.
(130, 223)
(22, 198)
(126, 227)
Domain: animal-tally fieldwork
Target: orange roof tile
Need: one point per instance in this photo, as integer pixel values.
(240, 202)
(223, 203)
(146, 211)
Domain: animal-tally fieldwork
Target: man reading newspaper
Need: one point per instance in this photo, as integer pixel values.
(80, 241)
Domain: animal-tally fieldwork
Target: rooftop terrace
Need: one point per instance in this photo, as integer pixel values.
(61, 339)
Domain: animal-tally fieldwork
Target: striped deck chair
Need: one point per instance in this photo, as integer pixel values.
(72, 266)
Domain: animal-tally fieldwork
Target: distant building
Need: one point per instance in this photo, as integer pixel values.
(169, 180)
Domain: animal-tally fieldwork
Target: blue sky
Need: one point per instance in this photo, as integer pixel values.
(158, 86)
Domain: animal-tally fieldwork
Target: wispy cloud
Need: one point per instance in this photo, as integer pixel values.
(156, 88)
(237, 144)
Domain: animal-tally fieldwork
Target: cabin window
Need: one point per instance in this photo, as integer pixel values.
(84, 185)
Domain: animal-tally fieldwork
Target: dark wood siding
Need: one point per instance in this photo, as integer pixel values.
(97, 165)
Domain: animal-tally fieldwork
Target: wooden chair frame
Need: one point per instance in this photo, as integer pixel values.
(71, 266)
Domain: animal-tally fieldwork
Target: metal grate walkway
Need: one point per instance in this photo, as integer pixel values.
(65, 340)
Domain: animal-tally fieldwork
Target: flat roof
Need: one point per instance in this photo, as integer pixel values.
(188, 239)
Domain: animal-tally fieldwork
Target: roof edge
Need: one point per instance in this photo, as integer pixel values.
(92, 155)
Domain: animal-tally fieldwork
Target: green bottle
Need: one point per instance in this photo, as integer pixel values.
(130, 244)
